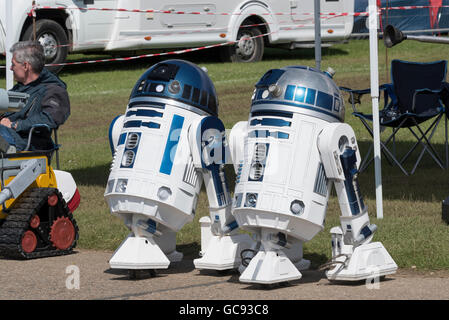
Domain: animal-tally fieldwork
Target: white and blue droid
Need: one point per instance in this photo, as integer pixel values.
(166, 144)
(287, 156)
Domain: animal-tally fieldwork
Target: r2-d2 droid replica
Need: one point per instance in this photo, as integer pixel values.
(166, 144)
(287, 156)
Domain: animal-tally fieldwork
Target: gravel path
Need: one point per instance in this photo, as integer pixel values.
(53, 278)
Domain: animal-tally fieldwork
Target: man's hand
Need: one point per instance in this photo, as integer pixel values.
(7, 123)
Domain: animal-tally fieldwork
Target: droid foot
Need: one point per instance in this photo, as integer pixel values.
(175, 256)
(367, 261)
(269, 267)
(223, 252)
(139, 253)
(302, 264)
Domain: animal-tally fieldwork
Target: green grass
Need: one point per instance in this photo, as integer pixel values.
(412, 229)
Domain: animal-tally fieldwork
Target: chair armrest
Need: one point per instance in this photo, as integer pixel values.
(436, 92)
(41, 125)
(355, 95)
(360, 91)
(30, 134)
(445, 95)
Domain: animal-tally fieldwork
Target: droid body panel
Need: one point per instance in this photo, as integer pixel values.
(158, 170)
(282, 176)
(287, 156)
(154, 167)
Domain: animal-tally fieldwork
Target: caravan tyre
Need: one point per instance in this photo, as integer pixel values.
(53, 38)
(249, 47)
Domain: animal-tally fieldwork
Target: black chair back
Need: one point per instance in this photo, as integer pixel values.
(407, 77)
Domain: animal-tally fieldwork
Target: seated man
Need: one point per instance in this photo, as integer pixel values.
(48, 103)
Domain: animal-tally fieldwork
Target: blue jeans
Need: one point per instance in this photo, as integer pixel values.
(13, 138)
(4, 132)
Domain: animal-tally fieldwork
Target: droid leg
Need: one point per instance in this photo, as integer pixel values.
(220, 252)
(292, 250)
(358, 260)
(221, 244)
(148, 246)
(166, 241)
(295, 253)
(354, 257)
(271, 264)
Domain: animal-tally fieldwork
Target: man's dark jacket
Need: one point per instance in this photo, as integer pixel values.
(48, 104)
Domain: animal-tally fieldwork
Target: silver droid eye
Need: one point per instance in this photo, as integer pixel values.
(174, 87)
(275, 90)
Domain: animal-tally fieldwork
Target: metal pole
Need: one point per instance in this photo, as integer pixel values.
(317, 12)
(374, 71)
(9, 43)
(34, 21)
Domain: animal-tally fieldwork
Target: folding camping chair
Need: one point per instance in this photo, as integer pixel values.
(39, 139)
(413, 97)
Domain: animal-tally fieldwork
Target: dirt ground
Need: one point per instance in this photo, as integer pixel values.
(85, 275)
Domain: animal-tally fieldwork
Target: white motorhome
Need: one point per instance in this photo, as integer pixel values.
(64, 26)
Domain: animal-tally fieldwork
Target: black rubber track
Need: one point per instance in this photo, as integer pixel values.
(34, 201)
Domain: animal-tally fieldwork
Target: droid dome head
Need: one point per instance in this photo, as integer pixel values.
(299, 89)
(183, 83)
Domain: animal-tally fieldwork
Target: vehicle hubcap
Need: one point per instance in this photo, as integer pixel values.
(48, 41)
(246, 45)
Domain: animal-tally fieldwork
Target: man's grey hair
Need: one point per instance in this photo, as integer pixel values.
(31, 52)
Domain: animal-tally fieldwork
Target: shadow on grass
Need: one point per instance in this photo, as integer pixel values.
(96, 176)
(316, 260)
(428, 183)
(190, 250)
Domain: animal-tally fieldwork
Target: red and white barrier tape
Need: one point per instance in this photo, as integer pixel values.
(147, 55)
(39, 7)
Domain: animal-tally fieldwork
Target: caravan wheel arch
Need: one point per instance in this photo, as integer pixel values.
(258, 17)
(53, 31)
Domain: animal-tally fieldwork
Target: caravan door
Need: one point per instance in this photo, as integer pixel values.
(332, 26)
(95, 26)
